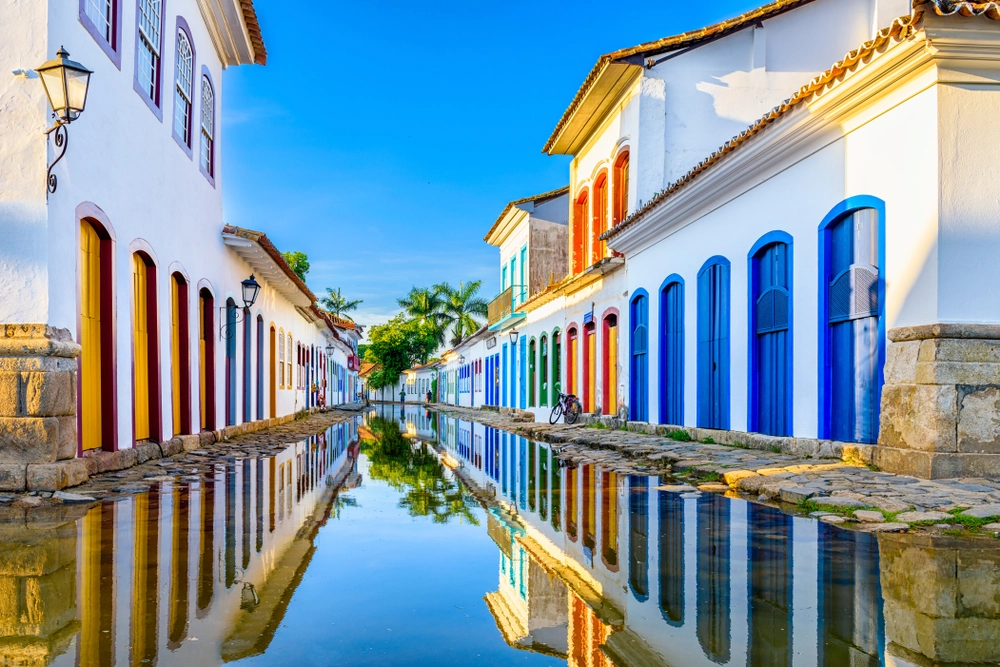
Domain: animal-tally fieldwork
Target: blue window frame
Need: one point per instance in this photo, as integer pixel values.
(852, 319)
(770, 340)
(671, 381)
(713, 344)
(639, 354)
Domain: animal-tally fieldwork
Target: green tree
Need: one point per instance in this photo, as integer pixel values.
(396, 346)
(462, 306)
(415, 470)
(336, 304)
(425, 307)
(298, 261)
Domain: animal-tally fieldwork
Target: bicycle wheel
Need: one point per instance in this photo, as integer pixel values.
(556, 413)
(573, 413)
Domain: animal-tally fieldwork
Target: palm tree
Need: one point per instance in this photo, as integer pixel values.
(336, 304)
(462, 306)
(426, 308)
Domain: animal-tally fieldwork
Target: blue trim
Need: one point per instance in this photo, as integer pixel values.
(837, 213)
(634, 390)
(724, 350)
(770, 238)
(672, 279)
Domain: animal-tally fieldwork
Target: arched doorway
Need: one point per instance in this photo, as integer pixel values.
(206, 360)
(145, 351)
(639, 354)
(230, 362)
(272, 389)
(713, 344)
(96, 423)
(770, 336)
(589, 367)
(180, 354)
(609, 365)
(672, 351)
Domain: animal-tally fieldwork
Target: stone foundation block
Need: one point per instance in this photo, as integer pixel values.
(189, 442)
(13, 477)
(171, 447)
(29, 440)
(918, 416)
(111, 461)
(148, 452)
(979, 420)
(206, 438)
(66, 445)
(49, 394)
(56, 476)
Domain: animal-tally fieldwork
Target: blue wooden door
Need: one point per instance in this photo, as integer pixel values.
(713, 345)
(771, 378)
(639, 370)
(230, 362)
(672, 354)
(523, 386)
(853, 340)
(503, 377)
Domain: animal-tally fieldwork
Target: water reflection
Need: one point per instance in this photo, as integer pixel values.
(121, 584)
(719, 581)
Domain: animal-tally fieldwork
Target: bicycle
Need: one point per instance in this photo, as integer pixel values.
(569, 406)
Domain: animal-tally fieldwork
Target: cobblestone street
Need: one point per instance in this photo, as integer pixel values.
(832, 490)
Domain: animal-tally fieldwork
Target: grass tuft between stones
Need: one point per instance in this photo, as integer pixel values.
(679, 436)
(811, 506)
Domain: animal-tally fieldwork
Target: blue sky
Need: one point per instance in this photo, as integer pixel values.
(384, 138)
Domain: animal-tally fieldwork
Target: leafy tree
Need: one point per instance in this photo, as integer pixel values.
(426, 308)
(396, 346)
(336, 304)
(298, 261)
(462, 306)
(416, 471)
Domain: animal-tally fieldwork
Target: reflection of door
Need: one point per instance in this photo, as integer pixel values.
(271, 382)
(713, 346)
(91, 330)
(610, 365)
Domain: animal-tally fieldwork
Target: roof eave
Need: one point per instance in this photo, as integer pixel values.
(603, 94)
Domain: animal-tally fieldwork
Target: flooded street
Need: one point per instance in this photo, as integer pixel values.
(363, 545)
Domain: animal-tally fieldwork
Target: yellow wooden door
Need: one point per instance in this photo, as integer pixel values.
(202, 365)
(175, 352)
(271, 383)
(611, 400)
(591, 370)
(140, 352)
(90, 336)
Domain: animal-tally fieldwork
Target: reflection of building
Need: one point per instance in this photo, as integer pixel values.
(217, 560)
(654, 577)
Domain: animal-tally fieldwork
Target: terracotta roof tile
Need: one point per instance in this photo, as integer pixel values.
(275, 254)
(901, 29)
(253, 28)
(681, 41)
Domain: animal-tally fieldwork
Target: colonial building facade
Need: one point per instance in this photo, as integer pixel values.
(121, 290)
(822, 276)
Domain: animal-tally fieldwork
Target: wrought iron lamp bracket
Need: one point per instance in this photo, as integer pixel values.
(225, 331)
(61, 141)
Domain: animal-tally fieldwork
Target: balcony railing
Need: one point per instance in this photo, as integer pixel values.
(502, 306)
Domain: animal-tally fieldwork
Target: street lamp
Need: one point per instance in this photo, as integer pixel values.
(250, 290)
(461, 360)
(66, 82)
(329, 350)
(513, 337)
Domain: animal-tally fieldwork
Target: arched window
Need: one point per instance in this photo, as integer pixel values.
(619, 191)
(183, 86)
(600, 218)
(578, 237)
(770, 335)
(639, 369)
(852, 254)
(713, 344)
(149, 48)
(671, 382)
(207, 160)
(281, 358)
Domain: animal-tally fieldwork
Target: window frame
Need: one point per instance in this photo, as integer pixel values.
(186, 146)
(209, 171)
(112, 46)
(154, 102)
(281, 358)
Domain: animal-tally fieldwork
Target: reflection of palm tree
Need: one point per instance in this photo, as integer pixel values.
(462, 306)
(340, 502)
(416, 471)
(426, 308)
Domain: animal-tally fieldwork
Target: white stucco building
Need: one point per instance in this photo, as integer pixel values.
(128, 259)
(817, 277)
